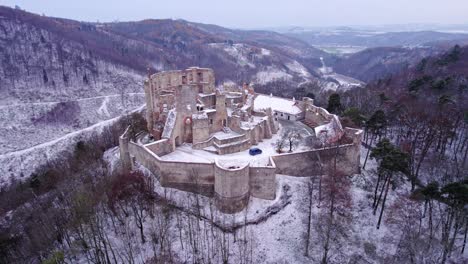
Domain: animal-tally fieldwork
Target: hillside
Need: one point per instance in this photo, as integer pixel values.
(426, 113)
(380, 62)
(53, 59)
(370, 38)
(432, 77)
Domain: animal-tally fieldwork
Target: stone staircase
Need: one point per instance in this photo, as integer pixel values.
(227, 145)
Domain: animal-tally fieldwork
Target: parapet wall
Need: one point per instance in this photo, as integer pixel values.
(317, 115)
(160, 147)
(318, 161)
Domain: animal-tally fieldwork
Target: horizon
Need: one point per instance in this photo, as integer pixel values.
(120, 11)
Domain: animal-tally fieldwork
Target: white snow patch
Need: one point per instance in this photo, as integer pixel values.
(271, 74)
(298, 68)
(276, 104)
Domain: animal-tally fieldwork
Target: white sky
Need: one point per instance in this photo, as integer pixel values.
(257, 13)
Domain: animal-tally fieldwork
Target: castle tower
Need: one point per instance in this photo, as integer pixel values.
(221, 112)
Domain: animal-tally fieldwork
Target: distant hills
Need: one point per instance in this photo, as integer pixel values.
(55, 59)
(402, 35)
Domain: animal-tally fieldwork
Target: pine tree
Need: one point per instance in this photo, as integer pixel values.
(334, 104)
(391, 160)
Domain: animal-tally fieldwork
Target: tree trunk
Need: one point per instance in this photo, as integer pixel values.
(381, 194)
(464, 238)
(309, 222)
(368, 151)
(383, 203)
(376, 189)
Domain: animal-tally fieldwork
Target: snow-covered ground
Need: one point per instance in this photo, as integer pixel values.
(271, 74)
(341, 50)
(266, 231)
(25, 125)
(240, 52)
(284, 105)
(275, 230)
(298, 68)
(268, 147)
(20, 164)
(334, 81)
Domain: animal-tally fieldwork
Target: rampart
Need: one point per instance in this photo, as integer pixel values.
(233, 185)
(230, 186)
(319, 161)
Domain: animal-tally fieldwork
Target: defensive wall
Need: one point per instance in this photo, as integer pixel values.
(232, 185)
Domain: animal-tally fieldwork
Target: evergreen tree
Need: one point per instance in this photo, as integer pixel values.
(334, 104)
(377, 122)
(375, 126)
(391, 160)
(355, 115)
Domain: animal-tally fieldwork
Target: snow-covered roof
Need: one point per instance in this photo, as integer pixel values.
(278, 104)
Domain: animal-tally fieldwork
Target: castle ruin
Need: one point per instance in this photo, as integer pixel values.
(201, 135)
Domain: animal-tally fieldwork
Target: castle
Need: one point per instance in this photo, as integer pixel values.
(202, 133)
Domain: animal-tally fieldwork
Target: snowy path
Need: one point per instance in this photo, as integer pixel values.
(22, 163)
(77, 100)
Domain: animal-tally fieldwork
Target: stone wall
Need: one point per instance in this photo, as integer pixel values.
(189, 176)
(231, 187)
(315, 115)
(220, 119)
(200, 128)
(317, 162)
(124, 152)
(168, 80)
(263, 181)
(232, 147)
(160, 147)
(209, 100)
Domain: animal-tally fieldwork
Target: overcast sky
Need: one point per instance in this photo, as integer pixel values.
(257, 13)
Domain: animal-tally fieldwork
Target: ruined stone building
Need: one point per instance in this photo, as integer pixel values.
(201, 136)
(185, 107)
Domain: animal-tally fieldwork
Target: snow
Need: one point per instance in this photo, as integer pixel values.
(334, 81)
(238, 51)
(265, 52)
(271, 74)
(185, 153)
(276, 104)
(170, 123)
(232, 164)
(19, 165)
(224, 135)
(103, 110)
(328, 130)
(201, 115)
(298, 68)
(274, 229)
(28, 124)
